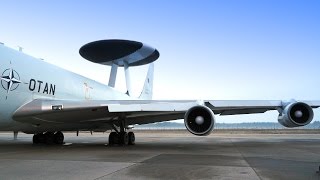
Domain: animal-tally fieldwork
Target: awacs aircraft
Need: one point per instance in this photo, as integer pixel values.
(42, 99)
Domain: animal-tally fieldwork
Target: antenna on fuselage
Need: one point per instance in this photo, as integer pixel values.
(119, 53)
(20, 49)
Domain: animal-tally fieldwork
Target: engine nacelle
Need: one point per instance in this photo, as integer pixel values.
(296, 114)
(199, 120)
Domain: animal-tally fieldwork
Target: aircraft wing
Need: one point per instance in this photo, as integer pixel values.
(135, 111)
(73, 111)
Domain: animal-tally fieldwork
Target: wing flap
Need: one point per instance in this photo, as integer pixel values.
(242, 111)
(228, 104)
(156, 106)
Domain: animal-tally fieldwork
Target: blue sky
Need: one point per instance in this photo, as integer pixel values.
(227, 49)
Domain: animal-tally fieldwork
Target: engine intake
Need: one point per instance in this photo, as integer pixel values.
(296, 114)
(199, 120)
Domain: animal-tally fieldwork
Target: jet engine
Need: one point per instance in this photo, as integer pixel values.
(199, 120)
(296, 114)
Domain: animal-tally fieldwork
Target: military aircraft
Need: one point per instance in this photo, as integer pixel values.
(42, 99)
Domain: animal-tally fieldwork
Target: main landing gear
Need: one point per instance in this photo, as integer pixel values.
(48, 138)
(121, 137)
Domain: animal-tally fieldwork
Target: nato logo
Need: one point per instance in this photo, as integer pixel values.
(10, 80)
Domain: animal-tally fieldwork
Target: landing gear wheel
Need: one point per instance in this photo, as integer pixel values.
(124, 139)
(41, 138)
(113, 138)
(36, 139)
(58, 138)
(131, 138)
(120, 136)
(49, 137)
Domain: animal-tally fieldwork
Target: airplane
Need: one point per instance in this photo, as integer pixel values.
(45, 100)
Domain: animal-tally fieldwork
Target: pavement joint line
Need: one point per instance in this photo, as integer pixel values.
(151, 157)
(133, 164)
(244, 158)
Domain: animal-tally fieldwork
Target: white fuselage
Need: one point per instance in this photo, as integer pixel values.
(25, 78)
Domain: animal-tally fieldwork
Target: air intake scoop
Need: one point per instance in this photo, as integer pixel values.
(115, 51)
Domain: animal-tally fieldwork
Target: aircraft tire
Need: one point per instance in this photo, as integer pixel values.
(112, 138)
(41, 138)
(35, 139)
(124, 139)
(58, 138)
(131, 138)
(49, 138)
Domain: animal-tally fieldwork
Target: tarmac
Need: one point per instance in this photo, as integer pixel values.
(163, 155)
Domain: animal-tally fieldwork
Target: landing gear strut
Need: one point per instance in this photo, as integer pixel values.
(121, 137)
(48, 138)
